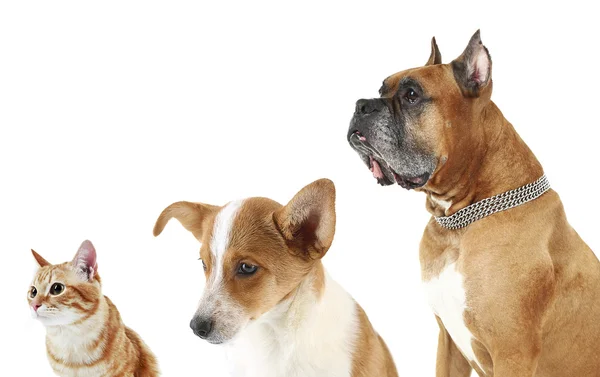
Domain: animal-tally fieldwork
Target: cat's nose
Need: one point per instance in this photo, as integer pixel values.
(36, 307)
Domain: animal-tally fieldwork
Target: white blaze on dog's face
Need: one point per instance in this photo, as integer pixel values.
(255, 252)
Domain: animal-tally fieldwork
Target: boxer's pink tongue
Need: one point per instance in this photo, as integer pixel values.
(376, 169)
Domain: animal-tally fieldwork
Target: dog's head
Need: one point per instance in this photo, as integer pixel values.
(423, 117)
(255, 252)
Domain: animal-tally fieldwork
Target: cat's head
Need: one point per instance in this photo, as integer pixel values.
(67, 293)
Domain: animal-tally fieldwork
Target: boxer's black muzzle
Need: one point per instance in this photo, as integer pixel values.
(379, 138)
(366, 112)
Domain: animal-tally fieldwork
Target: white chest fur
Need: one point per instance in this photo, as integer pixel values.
(304, 337)
(70, 345)
(447, 297)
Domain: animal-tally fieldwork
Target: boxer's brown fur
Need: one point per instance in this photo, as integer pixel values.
(532, 285)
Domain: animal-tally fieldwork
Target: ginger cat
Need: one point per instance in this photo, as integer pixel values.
(85, 336)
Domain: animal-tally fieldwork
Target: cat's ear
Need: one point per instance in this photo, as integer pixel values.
(191, 215)
(84, 261)
(41, 262)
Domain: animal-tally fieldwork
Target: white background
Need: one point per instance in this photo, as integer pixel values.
(110, 111)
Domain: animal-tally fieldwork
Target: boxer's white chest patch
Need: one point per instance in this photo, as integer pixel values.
(444, 204)
(447, 297)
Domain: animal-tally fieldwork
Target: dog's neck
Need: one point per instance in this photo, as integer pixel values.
(310, 332)
(498, 161)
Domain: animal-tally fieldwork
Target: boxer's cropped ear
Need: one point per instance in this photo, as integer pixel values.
(473, 69)
(192, 216)
(435, 57)
(307, 222)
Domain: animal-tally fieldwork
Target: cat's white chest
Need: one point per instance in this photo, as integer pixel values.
(447, 297)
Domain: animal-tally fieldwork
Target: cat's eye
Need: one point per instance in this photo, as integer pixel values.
(203, 265)
(56, 289)
(246, 269)
(32, 292)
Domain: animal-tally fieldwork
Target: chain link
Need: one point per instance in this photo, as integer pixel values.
(496, 203)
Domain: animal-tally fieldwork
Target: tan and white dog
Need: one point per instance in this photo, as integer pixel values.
(268, 298)
(515, 293)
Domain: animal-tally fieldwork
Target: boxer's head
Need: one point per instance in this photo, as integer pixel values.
(424, 117)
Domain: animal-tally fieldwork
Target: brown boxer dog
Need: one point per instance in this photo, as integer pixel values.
(515, 290)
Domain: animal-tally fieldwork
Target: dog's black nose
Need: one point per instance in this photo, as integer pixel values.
(368, 106)
(201, 326)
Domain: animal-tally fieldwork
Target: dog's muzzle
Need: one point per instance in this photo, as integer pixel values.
(368, 113)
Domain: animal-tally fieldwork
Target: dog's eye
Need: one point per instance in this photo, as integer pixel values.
(56, 289)
(247, 269)
(203, 265)
(32, 292)
(411, 96)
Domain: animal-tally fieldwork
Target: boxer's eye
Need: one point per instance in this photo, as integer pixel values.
(411, 96)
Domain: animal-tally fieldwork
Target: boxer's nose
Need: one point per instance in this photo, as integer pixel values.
(368, 106)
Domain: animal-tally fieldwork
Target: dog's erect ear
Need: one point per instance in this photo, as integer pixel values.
(307, 222)
(191, 215)
(473, 69)
(436, 56)
(41, 262)
(84, 261)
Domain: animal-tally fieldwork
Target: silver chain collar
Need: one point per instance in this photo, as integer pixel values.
(496, 203)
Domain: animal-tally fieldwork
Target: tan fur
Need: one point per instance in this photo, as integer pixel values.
(450, 361)
(287, 243)
(371, 357)
(97, 343)
(279, 228)
(532, 284)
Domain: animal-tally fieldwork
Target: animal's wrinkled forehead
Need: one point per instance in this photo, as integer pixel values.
(243, 225)
(432, 79)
